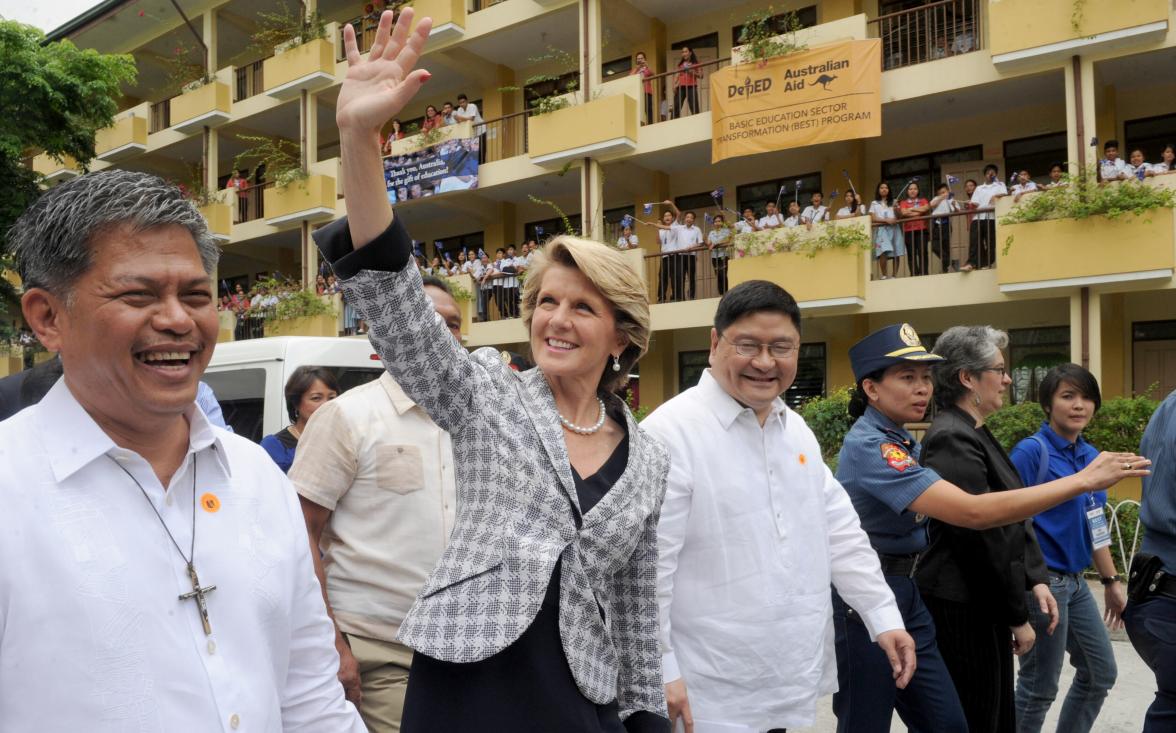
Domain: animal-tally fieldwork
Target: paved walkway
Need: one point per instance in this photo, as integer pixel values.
(1122, 712)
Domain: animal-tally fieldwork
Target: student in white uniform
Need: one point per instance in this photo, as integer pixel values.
(982, 239)
(771, 219)
(1025, 184)
(1112, 167)
(670, 279)
(889, 246)
(627, 240)
(944, 203)
(690, 237)
(816, 212)
(793, 219)
(1056, 172)
(717, 240)
(1167, 162)
(853, 206)
(748, 223)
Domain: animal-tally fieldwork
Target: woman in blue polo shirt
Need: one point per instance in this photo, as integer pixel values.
(1068, 534)
(894, 497)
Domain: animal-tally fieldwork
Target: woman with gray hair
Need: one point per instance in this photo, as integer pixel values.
(974, 582)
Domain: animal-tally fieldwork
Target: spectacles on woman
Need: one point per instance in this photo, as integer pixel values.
(748, 347)
(1002, 371)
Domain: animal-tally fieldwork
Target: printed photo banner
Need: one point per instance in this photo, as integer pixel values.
(828, 93)
(448, 166)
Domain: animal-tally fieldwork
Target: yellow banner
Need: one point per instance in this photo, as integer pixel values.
(823, 94)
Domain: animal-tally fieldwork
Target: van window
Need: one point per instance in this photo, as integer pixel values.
(355, 376)
(241, 393)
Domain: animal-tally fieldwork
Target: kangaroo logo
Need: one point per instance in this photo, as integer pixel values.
(824, 80)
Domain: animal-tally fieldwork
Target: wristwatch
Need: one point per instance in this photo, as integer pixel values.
(1113, 579)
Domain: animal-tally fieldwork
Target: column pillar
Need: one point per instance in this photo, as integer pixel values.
(1081, 121)
(1086, 330)
(209, 34)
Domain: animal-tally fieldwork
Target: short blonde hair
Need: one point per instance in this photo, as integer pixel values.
(620, 285)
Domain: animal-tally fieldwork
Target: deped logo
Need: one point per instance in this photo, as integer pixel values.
(749, 88)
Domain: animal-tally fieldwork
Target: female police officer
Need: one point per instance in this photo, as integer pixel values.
(894, 496)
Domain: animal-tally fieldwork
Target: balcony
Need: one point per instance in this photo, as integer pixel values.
(1067, 253)
(599, 128)
(1037, 31)
(934, 31)
(126, 138)
(307, 67)
(311, 199)
(449, 23)
(207, 106)
(219, 217)
(55, 170)
(830, 279)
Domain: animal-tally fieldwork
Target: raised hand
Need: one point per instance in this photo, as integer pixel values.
(376, 89)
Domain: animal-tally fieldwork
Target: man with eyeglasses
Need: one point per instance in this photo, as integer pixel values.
(753, 530)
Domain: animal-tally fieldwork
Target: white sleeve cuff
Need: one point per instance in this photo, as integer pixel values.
(670, 671)
(882, 619)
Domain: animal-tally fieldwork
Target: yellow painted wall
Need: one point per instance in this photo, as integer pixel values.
(297, 62)
(315, 192)
(597, 121)
(124, 131)
(1016, 25)
(1115, 337)
(214, 96)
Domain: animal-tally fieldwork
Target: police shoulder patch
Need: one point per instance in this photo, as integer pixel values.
(896, 456)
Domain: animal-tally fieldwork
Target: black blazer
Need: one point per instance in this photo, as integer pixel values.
(992, 567)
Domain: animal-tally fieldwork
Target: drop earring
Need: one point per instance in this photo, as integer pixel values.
(616, 363)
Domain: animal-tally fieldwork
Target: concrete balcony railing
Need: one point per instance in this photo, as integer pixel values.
(1034, 31)
(126, 138)
(311, 199)
(599, 128)
(56, 170)
(220, 217)
(207, 106)
(308, 67)
(1067, 253)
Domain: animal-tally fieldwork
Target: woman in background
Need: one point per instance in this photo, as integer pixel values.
(308, 389)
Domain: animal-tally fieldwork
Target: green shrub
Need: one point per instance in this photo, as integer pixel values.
(1012, 423)
(1120, 422)
(828, 418)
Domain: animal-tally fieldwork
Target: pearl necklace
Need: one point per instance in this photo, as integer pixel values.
(579, 429)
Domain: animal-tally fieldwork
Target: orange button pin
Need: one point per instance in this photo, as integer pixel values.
(210, 502)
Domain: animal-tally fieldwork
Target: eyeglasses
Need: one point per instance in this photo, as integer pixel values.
(747, 347)
(1002, 371)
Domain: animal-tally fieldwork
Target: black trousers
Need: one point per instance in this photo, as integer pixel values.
(671, 279)
(690, 262)
(916, 245)
(941, 243)
(979, 655)
(982, 243)
(720, 265)
(649, 120)
(688, 94)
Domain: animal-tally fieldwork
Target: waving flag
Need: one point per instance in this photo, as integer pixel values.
(538, 231)
(707, 219)
(717, 193)
(1094, 142)
(834, 194)
(626, 221)
(952, 180)
(648, 208)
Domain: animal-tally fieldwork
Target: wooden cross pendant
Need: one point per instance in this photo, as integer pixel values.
(198, 594)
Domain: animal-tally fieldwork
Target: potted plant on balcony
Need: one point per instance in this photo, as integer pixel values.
(764, 37)
(282, 159)
(287, 28)
(184, 73)
(549, 94)
(1084, 196)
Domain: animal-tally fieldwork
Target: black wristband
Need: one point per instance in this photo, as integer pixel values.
(389, 252)
(1113, 579)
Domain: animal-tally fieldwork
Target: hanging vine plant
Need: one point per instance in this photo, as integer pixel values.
(762, 39)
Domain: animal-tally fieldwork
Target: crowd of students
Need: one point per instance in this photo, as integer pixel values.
(449, 114)
(497, 281)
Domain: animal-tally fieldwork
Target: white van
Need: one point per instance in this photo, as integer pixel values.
(249, 377)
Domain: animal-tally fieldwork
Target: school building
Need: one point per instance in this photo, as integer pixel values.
(1018, 83)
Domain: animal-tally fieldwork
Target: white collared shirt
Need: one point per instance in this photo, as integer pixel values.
(743, 227)
(1026, 187)
(375, 459)
(983, 196)
(1110, 170)
(93, 633)
(627, 242)
(771, 220)
(753, 530)
(815, 214)
(689, 237)
(668, 238)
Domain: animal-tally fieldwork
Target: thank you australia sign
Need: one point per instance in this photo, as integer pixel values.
(823, 94)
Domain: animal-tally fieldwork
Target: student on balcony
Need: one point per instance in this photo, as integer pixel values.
(1025, 184)
(793, 219)
(942, 205)
(749, 223)
(686, 82)
(853, 206)
(771, 219)
(915, 232)
(1112, 167)
(816, 212)
(982, 240)
(1167, 162)
(642, 67)
(432, 119)
(888, 242)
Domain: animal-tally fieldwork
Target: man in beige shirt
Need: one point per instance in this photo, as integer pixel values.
(376, 480)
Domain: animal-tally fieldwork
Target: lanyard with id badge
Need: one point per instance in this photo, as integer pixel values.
(1096, 519)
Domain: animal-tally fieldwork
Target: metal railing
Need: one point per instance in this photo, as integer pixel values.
(688, 274)
(940, 250)
(1115, 525)
(493, 301)
(503, 137)
(251, 202)
(668, 97)
(249, 80)
(934, 31)
(159, 116)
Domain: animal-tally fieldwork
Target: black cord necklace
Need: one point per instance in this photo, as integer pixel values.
(197, 593)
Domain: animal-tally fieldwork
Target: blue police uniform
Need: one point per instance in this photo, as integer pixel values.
(879, 468)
